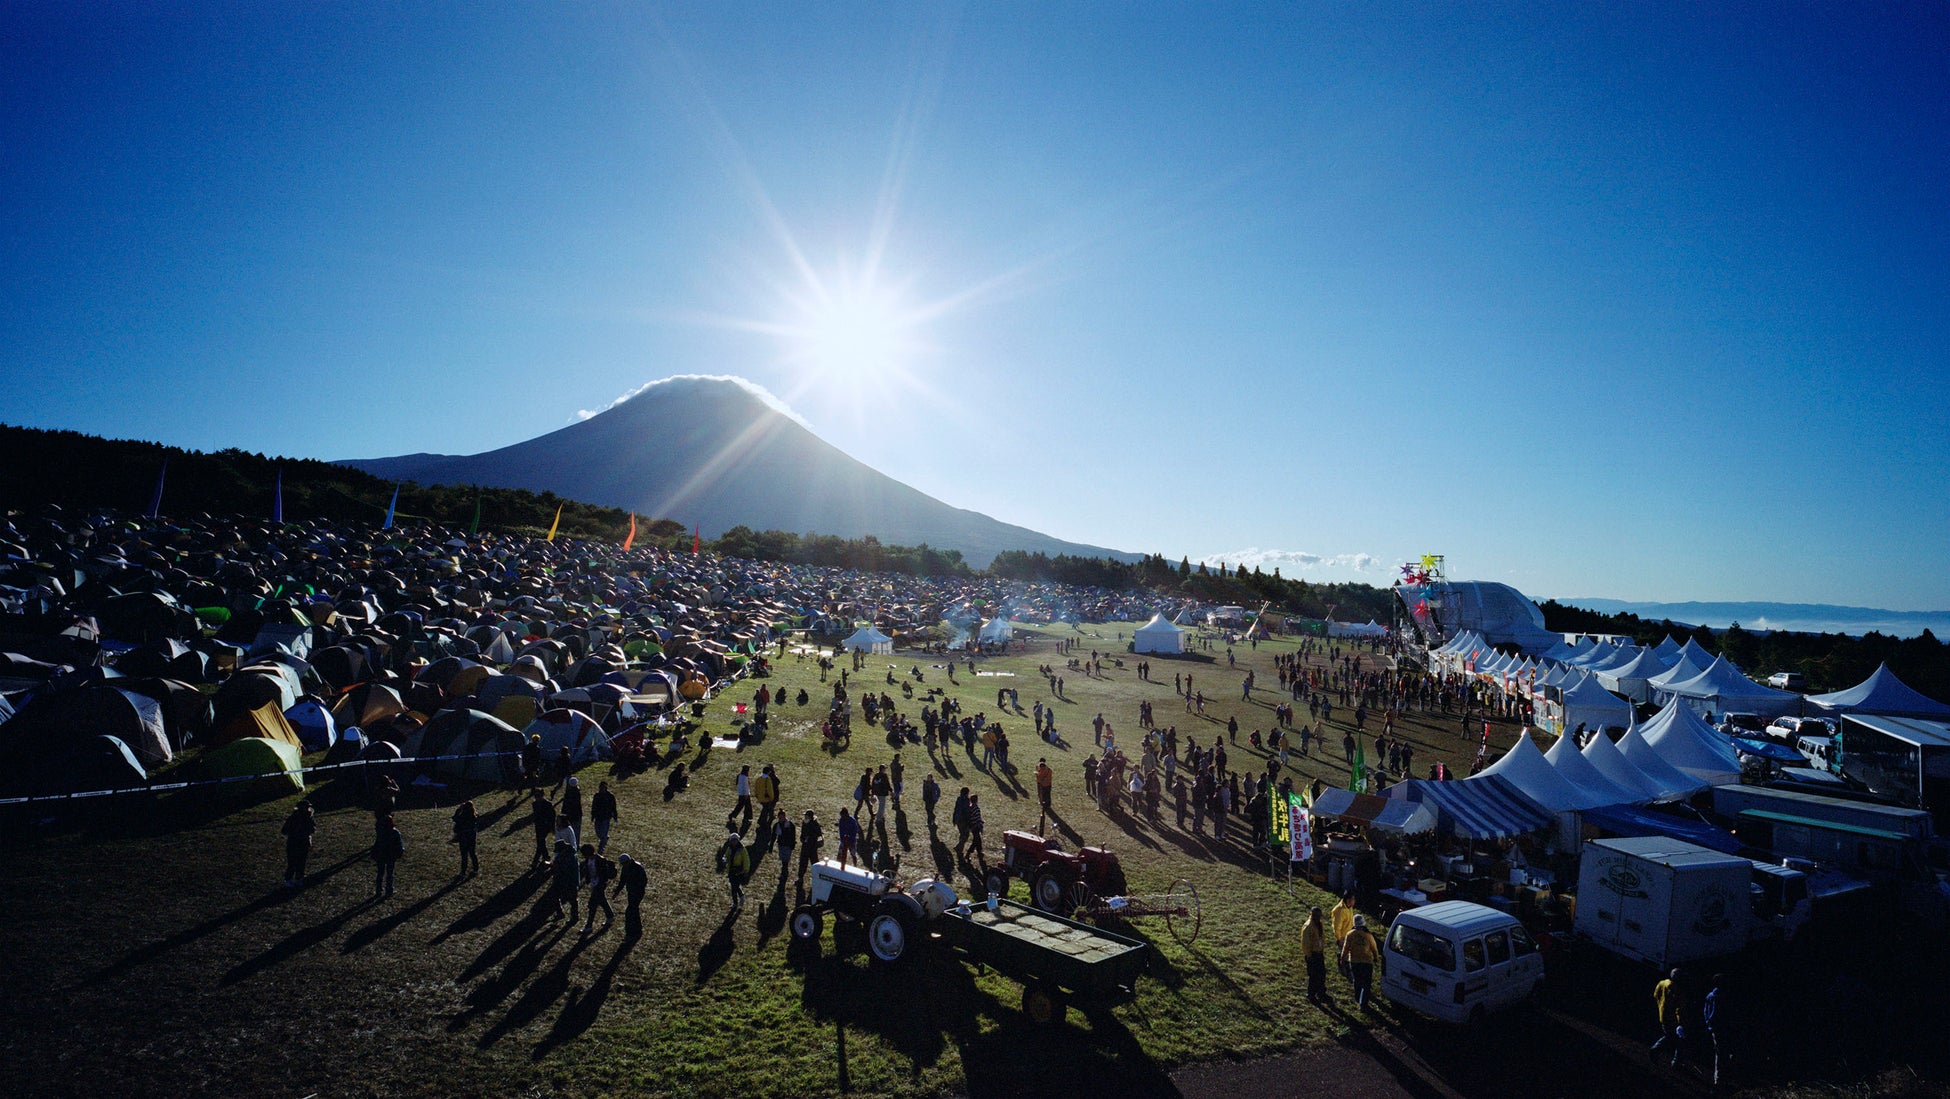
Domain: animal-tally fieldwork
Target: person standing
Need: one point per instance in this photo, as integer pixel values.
(565, 881)
(897, 771)
(849, 829)
(883, 788)
(735, 862)
(959, 818)
(1718, 1027)
(975, 830)
(602, 814)
(784, 837)
(467, 831)
(930, 796)
(597, 873)
(298, 830)
(1342, 918)
(1669, 998)
(387, 849)
(1045, 780)
(571, 807)
(1360, 953)
(1313, 951)
(811, 838)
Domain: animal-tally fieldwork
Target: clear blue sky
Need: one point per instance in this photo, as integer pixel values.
(1641, 300)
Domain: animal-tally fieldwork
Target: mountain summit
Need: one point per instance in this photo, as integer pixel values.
(713, 453)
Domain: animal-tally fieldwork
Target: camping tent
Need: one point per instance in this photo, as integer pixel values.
(267, 721)
(1691, 745)
(1158, 636)
(572, 729)
(467, 744)
(1882, 693)
(1721, 689)
(314, 725)
(867, 639)
(276, 761)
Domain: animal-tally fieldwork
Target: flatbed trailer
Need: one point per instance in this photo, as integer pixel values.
(1055, 959)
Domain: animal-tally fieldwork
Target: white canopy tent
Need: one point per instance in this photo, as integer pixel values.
(1158, 636)
(996, 630)
(1721, 689)
(867, 639)
(1607, 760)
(1691, 745)
(1645, 757)
(1882, 693)
(1568, 762)
(1524, 765)
(1633, 679)
(1582, 701)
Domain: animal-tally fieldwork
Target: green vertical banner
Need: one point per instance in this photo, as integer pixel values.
(1280, 821)
(1357, 779)
(475, 526)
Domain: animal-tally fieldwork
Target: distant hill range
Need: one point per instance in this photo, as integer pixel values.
(710, 452)
(1800, 617)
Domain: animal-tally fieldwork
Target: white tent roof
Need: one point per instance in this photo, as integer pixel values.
(1559, 652)
(1882, 693)
(1688, 743)
(1645, 665)
(1646, 758)
(1620, 657)
(1159, 624)
(1692, 661)
(1569, 763)
(1587, 702)
(997, 629)
(1607, 760)
(1592, 657)
(867, 635)
(1668, 650)
(1524, 765)
(1722, 683)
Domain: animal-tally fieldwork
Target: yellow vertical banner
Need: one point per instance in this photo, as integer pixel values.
(557, 523)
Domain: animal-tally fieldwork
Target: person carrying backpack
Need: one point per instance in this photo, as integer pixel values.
(735, 863)
(597, 873)
(387, 848)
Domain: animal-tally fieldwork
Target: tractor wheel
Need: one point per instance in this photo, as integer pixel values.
(806, 923)
(890, 932)
(1043, 1005)
(998, 882)
(1048, 890)
(1080, 903)
(1184, 918)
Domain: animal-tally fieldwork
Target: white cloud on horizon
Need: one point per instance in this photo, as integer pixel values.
(771, 399)
(1254, 557)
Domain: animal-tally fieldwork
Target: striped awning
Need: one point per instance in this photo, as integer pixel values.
(1375, 811)
(1484, 807)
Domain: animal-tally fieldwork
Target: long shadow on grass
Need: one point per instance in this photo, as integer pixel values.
(294, 944)
(541, 992)
(380, 928)
(580, 1013)
(717, 950)
(908, 1007)
(504, 901)
(216, 923)
(483, 997)
(511, 939)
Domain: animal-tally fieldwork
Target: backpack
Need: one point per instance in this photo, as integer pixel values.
(605, 870)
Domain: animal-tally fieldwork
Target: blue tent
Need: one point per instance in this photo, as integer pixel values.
(1627, 820)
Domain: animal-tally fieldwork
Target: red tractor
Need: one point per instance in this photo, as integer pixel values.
(1059, 882)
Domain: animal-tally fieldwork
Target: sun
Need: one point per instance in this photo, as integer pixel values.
(857, 334)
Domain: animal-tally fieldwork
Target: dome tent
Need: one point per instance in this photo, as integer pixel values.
(1158, 636)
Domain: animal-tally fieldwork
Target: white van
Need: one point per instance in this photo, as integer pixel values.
(1457, 961)
(1819, 750)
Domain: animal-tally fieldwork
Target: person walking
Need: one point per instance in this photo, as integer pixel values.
(1719, 1023)
(1313, 951)
(597, 873)
(742, 786)
(1670, 999)
(565, 881)
(633, 880)
(883, 788)
(298, 830)
(387, 848)
(975, 830)
(959, 818)
(571, 807)
(1342, 918)
(467, 832)
(543, 818)
(735, 863)
(784, 837)
(930, 796)
(896, 771)
(1361, 952)
(602, 814)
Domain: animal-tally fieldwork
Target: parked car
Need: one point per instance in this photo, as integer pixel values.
(1788, 681)
(1458, 961)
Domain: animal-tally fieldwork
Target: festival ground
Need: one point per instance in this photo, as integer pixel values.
(154, 953)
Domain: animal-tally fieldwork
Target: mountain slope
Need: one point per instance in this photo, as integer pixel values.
(709, 452)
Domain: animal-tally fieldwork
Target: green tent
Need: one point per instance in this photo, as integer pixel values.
(276, 761)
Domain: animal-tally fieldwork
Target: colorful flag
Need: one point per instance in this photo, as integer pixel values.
(1357, 779)
(697, 540)
(390, 508)
(631, 537)
(1300, 828)
(277, 500)
(475, 526)
(1483, 749)
(552, 526)
(155, 502)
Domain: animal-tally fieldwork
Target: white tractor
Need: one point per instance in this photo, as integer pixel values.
(892, 917)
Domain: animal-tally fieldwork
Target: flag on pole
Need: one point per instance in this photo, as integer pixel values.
(475, 526)
(697, 539)
(390, 508)
(630, 537)
(552, 526)
(277, 500)
(155, 501)
(1357, 779)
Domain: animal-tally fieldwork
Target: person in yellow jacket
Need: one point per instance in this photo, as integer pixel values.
(1672, 1001)
(1313, 950)
(1360, 953)
(1343, 920)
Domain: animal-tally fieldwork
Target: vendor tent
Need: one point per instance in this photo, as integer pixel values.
(1675, 782)
(1483, 807)
(1882, 693)
(867, 639)
(1158, 636)
(1383, 814)
(1608, 761)
(1721, 689)
(1524, 765)
(1692, 661)
(996, 630)
(1571, 765)
(1631, 678)
(1584, 702)
(1692, 745)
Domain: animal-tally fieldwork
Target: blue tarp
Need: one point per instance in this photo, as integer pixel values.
(1626, 820)
(1767, 749)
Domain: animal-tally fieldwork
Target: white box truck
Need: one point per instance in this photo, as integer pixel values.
(1663, 901)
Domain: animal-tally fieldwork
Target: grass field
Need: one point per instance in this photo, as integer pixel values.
(156, 954)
